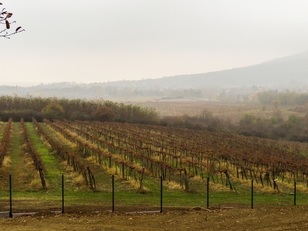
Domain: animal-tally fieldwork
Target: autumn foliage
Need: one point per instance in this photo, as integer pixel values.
(104, 113)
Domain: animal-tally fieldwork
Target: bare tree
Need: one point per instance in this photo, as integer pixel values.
(275, 104)
(5, 20)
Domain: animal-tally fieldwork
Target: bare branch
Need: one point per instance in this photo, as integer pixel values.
(4, 16)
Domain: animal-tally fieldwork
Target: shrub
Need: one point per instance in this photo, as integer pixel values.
(53, 110)
(104, 113)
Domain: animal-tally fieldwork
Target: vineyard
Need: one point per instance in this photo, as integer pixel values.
(88, 153)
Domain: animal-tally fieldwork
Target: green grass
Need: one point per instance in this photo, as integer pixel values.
(53, 168)
(170, 198)
(20, 167)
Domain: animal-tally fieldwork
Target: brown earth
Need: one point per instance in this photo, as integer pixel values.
(265, 218)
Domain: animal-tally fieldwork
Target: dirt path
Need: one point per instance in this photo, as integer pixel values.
(274, 218)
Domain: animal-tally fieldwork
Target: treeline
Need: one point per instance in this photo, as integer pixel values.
(284, 98)
(295, 128)
(204, 121)
(16, 107)
(125, 90)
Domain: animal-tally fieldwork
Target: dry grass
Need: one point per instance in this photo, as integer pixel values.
(36, 182)
(214, 186)
(136, 185)
(299, 187)
(258, 187)
(173, 185)
(62, 138)
(79, 181)
(44, 141)
(112, 171)
(116, 172)
(73, 176)
(219, 187)
(6, 162)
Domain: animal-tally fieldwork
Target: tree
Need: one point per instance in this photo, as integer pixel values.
(54, 110)
(275, 104)
(104, 113)
(248, 120)
(205, 114)
(4, 20)
(278, 115)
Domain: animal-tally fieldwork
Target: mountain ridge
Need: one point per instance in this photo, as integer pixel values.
(273, 72)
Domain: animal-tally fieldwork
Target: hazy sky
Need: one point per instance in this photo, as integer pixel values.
(109, 40)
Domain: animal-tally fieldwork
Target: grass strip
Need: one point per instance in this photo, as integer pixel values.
(54, 170)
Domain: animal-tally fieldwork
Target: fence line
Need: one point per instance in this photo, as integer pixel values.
(161, 194)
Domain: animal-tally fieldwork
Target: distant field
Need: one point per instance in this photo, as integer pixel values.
(232, 111)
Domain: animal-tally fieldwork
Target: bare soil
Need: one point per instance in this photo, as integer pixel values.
(81, 218)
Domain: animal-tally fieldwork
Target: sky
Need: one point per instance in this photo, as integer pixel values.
(111, 40)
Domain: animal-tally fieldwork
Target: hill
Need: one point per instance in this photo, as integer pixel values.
(282, 73)
(274, 72)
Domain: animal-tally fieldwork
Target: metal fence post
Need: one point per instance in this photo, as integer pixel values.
(62, 194)
(10, 213)
(208, 192)
(294, 192)
(112, 193)
(161, 194)
(251, 194)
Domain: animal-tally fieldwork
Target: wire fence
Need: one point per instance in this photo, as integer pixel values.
(210, 197)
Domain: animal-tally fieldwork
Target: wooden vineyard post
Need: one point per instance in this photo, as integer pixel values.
(123, 175)
(186, 181)
(161, 194)
(10, 213)
(112, 193)
(294, 192)
(141, 178)
(251, 194)
(208, 192)
(62, 194)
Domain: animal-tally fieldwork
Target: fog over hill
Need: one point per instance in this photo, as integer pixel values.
(274, 72)
(281, 71)
(277, 71)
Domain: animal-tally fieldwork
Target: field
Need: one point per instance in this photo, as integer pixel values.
(36, 155)
(232, 111)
